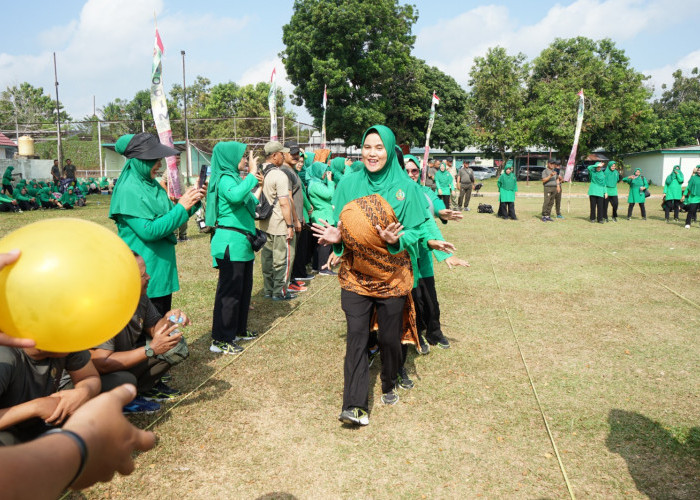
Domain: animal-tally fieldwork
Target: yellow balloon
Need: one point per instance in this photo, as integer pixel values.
(75, 285)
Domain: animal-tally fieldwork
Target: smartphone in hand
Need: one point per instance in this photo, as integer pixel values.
(203, 176)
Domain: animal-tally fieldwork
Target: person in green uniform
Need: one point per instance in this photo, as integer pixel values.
(321, 188)
(8, 204)
(338, 168)
(46, 198)
(7, 180)
(596, 192)
(68, 199)
(25, 201)
(104, 184)
(146, 218)
(231, 209)
(507, 187)
(638, 184)
(692, 196)
(445, 184)
(612, 177)
(673, 189)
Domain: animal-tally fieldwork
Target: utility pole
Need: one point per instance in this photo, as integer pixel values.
(187, 132)
(58, 115)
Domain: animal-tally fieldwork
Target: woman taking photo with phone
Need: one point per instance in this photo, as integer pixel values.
(231, 209)
(146, 218)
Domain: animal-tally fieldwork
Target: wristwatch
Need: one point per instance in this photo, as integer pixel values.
(290, 225)
(149, 351)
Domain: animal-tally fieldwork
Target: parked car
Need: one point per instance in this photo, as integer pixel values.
(535, 173)
(482, 173)
(581, 173)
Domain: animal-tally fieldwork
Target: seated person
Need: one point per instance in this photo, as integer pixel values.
(135, 355)
(92, 186)
(29, 398)
(8, 204)
(25, 201)
(105, 186)
(68, 199)
(46, 198)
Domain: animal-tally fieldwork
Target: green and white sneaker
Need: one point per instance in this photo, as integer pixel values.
(390, 398)
(354, 416)
(404, 380)
(222, 347)
(248, 335)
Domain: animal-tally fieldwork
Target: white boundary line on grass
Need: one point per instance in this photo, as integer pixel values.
(529, 376)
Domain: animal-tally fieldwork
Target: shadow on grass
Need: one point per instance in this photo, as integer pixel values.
(661, 464)
(277, 495)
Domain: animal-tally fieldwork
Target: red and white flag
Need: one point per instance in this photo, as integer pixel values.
(572, 157)
(325, 98)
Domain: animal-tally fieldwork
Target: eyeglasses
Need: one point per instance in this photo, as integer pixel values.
(412, 170)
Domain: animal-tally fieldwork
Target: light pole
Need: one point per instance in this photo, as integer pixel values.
(187, 132)
(58, 114)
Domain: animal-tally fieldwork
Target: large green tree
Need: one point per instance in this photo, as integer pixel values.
(362, 51)
(678, 112)
(497, 101)
(618, 116)
(29, 105)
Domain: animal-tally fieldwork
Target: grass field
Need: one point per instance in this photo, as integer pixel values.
(605, 317)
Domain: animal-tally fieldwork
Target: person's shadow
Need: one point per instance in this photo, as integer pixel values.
(661, 465)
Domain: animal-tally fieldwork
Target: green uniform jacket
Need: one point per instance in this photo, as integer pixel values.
(68, 198)
(320, 196)
(444, 182)
(597, 185)
(236, 208)
(673, 188)
(612, 177)
(155, 242)
(692, 191)
(7, 176)
(44, 194)
(507, 187)
(635, 195)
(5, 199)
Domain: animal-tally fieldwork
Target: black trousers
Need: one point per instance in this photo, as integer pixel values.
(445, 199)
(27, 205)
(321, 255)
(301, 253)
(8, 207)
(613, 201)
(692, 210)
(144, 375)
(506, 209)
(232, 300)
(162, 304)
(641, 207)
(358, 313)
(597, 203)
(68, 206)
(48, 204)
(676, 205)
(427, 308)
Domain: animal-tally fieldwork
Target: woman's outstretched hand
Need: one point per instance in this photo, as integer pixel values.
(326, 234)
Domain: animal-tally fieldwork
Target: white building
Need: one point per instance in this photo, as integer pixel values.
(657, 165)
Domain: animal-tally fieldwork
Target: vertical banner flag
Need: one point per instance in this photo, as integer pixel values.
(574, 149)
(272, 104)
(431, 121)
(159, 108)
(323, 126)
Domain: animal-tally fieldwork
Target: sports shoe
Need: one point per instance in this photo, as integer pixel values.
(560, 216)
(220, 346)
(403, 379)
(287, 296)
(354, 416)
(440, 341)
(296, 288)
(327, 272)
(614, 219)
(466, 209)
(372, 355)
(140, 406)
(166, 378)
(424, 347)
(687, 226)
(160, 393)
(390, 398)
(308, 277)
(248, 335)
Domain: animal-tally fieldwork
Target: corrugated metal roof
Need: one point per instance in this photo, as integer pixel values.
(5, 141)
(680, 149)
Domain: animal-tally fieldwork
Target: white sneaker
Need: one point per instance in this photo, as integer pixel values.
(687, 226)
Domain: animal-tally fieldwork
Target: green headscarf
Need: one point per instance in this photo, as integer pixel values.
(315, 173)
(135, 193)
(391, 183)
(693, 188)
(7, 176)
(224, 161)
(508, 181)
(338, 168)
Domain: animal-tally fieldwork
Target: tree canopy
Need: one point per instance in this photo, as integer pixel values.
(678, 112)
(30, 105)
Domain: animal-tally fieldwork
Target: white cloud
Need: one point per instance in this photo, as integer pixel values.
(664, 75)
(452, 45)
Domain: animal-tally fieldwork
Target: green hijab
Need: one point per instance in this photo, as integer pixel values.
(357, 166)
(224, 161)
(391, 183)
(508, 181)
(338, 168)
(135, 193)
(693, 188)
(315, 173)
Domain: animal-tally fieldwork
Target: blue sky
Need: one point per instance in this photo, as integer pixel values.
(104, 47)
